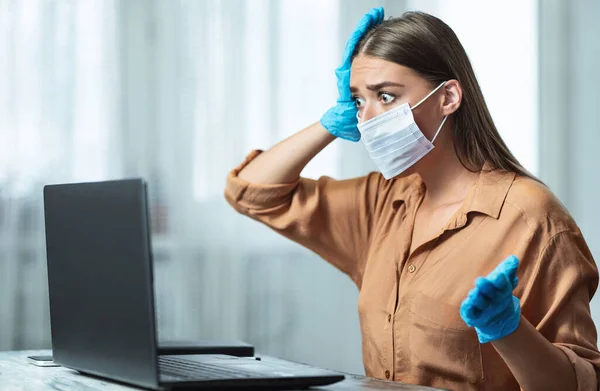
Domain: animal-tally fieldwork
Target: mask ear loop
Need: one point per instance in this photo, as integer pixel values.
(423, 100)
(440, 128)
(428, 95)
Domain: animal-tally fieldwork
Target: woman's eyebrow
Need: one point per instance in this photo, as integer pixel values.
(378, 86)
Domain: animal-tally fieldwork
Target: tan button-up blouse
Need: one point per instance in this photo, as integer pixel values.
(409, 303)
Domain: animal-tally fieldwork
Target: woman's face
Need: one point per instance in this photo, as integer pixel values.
(378, 85)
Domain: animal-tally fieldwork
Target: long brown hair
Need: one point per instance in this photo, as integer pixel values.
(428, 46)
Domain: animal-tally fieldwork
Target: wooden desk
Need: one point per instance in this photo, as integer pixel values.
(16, 374)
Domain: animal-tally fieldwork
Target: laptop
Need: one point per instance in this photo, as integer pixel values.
(101, 289)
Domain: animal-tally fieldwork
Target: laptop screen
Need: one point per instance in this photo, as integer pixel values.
(100, 279)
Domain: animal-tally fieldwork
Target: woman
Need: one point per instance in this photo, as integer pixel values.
(425, 239)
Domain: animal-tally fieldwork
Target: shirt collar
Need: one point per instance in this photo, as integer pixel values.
(489, 192)
(486, 196)
(404, 189)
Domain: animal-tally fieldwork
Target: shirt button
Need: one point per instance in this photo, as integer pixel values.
(412, 268)
(389, 317)
(387, 374)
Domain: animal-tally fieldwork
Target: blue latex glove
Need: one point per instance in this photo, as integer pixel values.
(490, 307)
(341, 120)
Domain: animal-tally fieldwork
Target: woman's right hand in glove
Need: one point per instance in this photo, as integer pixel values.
(341, 119)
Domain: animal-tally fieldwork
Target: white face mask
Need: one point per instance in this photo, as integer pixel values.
(393, 139)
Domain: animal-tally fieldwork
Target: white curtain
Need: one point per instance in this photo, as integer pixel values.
(58, 120)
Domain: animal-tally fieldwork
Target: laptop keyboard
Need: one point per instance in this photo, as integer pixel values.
(192, 370)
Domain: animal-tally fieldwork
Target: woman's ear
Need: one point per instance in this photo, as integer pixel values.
(452, 96)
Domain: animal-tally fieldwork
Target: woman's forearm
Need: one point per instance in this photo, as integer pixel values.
(284, 162)
(534, 361)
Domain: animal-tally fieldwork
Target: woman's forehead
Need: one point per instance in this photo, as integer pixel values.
(371, 70)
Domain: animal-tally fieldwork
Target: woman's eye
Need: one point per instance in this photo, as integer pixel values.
(387, 98)
(359, 101)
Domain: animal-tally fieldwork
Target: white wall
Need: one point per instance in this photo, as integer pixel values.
(504, 57)
(569, 90)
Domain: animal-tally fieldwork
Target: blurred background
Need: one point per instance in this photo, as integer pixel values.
(178, 92)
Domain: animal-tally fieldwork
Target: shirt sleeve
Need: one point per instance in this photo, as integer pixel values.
(333, 218)
(557, 302)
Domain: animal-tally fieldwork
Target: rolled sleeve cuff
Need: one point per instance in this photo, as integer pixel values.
(250, 196)
(585, 372)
